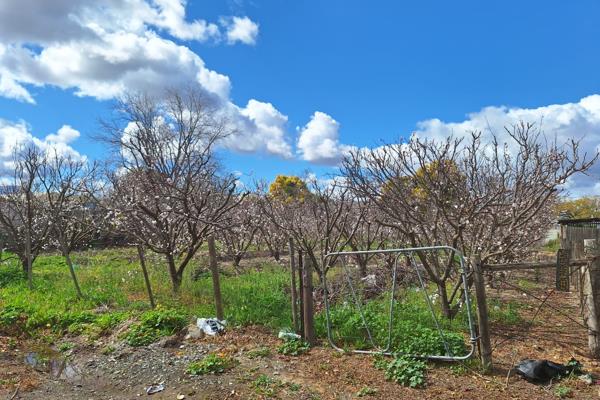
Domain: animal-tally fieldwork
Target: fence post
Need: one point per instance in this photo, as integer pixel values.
(214, 270)
(301, 292)
(308, 311)
(485, 345)
(293, 283)
(590, 301)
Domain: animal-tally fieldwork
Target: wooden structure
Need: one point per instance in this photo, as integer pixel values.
(577, 234)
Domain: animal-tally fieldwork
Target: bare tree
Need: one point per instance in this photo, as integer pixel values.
(23, 214)
(273, 236)
(320, 222)
(241, 226)
(167, 186)
(367, 234)
(67, 187)
(482, 197)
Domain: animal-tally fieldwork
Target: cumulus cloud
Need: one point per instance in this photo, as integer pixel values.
(264, 129)
(14, 135)
(240, 29)
(104, 49)
(563, 122)
(318, 141)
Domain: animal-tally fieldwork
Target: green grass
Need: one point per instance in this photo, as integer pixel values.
(114, 291)
(413, 330)
(504, 312)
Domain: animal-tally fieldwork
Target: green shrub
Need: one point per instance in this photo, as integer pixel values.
(293, 347)
(406, 371)
(211, 364)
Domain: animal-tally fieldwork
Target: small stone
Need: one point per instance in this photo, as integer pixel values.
(193, 332)
(180, 396)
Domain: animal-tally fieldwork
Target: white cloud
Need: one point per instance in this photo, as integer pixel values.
(14, 135)
(263, 129)
(319, 140)
(240, 29)
(104, 49)
(65, 135)
(563, 122)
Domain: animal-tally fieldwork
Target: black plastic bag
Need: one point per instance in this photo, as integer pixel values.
(541, 371)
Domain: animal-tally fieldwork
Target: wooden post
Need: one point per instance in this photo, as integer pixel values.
(293, 284)
(590, 301)
(140, 250)
(214, 270)
(308, 310)
(485, 345)
(301, 294)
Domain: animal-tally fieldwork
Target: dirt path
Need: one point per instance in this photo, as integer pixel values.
(320, 374)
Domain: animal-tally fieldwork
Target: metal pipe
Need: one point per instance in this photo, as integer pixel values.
(463, 272)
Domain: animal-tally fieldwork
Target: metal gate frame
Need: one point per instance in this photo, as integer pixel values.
(410, 251)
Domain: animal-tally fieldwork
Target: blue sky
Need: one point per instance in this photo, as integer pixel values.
(336, 74)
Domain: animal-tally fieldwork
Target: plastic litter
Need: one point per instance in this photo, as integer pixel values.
(542, 371)
(288, 335)
(211, 326)
(155, 388)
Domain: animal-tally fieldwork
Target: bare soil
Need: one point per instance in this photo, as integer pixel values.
(125, 372)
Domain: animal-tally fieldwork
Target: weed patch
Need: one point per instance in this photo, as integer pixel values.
(406, 371)
(155, 324)
(211, 364)
(293, 347)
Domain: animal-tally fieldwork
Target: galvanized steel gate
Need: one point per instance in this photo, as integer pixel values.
(410, 254)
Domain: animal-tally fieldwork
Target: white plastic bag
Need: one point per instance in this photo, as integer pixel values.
(211, 326)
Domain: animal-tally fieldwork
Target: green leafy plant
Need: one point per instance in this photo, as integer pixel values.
(259, 352)
(266, 386)
(211, 364)
(406, 371)
(366, 391)
(65, 346)
(413, 329)
(293, 347)
(562, 392)
(155, 324)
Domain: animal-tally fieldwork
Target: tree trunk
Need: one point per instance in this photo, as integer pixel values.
(214, 269)
(29, 261)
(444, 303)
(175, 277)
(67, 256)
(146, 277)
(362, 266)
(236, 262)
